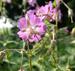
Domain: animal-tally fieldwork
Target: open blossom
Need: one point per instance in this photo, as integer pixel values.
(31, 2)
(41, 12)
(47, 12)
(31, 27)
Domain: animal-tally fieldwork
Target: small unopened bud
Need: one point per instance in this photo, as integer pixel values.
(70, 12)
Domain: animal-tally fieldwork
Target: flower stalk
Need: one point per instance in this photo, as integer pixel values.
(22, 53)
(70, 12)
(30, 56)
(30, 60)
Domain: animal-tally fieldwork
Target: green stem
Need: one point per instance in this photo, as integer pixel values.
(71, 19)
(56, 22)
(30, 60)
(65, 4)
(22, 52)
(68, 9)
(30, 56)
(55, 30)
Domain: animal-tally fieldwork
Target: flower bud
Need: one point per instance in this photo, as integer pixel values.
(70, 12)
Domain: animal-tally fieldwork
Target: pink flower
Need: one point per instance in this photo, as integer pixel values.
(31, 27)
(47, 12)
(42, 11)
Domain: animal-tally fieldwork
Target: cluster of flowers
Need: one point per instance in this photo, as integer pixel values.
(32, 26)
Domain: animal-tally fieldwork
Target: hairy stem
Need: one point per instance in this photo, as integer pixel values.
(30, 56)
(22, 52)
